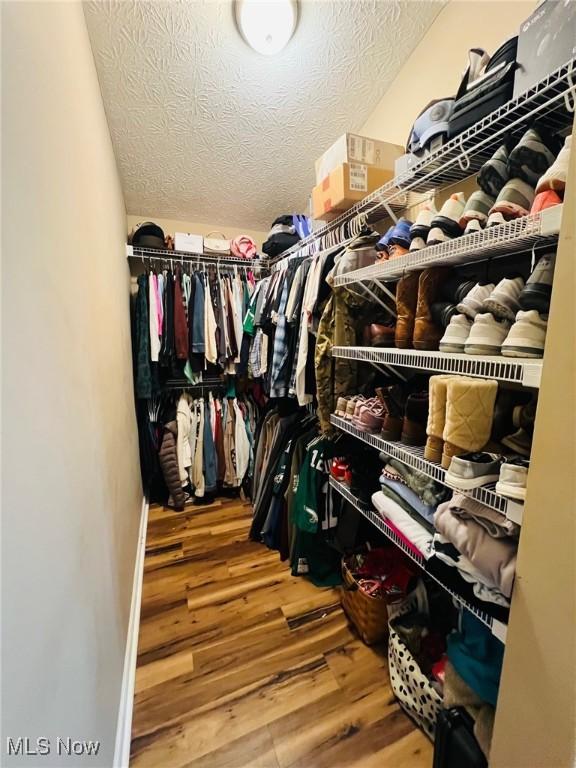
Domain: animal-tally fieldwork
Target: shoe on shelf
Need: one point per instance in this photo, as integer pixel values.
(442, 312)
(476, 210)
(426, 333)
(338, 469)
(419, 230)
(377, 335)
(472, 303)
(503, 301)
(524, 416)
(543, 200)
(400, 234)
(530, 158)
(415, 419)
(519, 442)
(554, 178)
(494, 173)
(513, 478)
(394, 401)
(537, 292)
(445, 225)
(341, 405)
(486, 335)
(456, 334)
(473, 470)
(527, 336)
(352, 404)
(383, 244)
(515, 200)
(455, 288)
(406, 301)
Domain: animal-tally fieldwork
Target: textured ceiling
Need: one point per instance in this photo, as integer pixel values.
(207, 130)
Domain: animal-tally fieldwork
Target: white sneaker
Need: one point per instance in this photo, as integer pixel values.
(503, 301)
(456, 334)
(527, 336)
(486, 335)
(471, 304)
(513, 479)
(421, 227)
(445, 224)
(555, 177)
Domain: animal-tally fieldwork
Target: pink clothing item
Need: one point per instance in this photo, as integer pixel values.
(243, 247)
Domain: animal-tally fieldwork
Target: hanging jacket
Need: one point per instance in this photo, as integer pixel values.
(142, 344)
(180, 322)
(168, 456)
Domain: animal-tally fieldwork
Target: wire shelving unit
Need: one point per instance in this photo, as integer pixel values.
(514, 370)
(537, 230)
(498, 628)
(551, 102)
(185, 257)
(414, 457)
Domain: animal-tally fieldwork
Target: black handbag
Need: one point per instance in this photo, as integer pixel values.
(455, 745)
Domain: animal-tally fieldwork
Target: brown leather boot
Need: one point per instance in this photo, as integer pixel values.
(406, 300)
(427, 334)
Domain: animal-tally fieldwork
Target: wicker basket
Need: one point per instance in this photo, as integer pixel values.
(368, 614)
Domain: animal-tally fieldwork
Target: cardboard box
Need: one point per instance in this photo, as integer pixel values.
(190, 243)
(346, 185)
(351, 148)
(546, 41)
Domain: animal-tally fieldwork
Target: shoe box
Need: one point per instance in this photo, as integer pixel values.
(547, 41)
(351, 148)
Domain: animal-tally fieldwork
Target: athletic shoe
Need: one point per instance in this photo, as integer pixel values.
(473, 470)
(442, 312)
(476, 209)
(503, 301)
(555, 177)
(341, 404)
(400, 234)
(494, 173)
(455, 289)
(419, 230)
(545, 200)
(519, 442)
(515, 200)
(527, 336)
(472, 303)
(538, 289)
(445, 224)
(513, 478)
(486, 335)
(370, 418)
(456, 334)
(530, 158)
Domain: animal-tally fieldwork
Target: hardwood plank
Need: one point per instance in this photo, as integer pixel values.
(149, 675)
(255, 750)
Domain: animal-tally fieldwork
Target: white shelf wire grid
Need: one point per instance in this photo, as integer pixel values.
(515, 370)
(550, 102)
(413, 456)
(185, 257)
(498, 629)
(517, 236)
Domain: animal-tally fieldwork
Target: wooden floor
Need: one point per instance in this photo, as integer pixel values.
(242, 665)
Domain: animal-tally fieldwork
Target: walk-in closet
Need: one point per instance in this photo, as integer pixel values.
(289, 369)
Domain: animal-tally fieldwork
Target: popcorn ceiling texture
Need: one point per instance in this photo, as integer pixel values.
(206, 129)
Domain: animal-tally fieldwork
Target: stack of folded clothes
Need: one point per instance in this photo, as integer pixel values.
(474, 550)
(406, 502)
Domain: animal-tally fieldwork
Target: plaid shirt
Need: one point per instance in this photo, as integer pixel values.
(278, 383)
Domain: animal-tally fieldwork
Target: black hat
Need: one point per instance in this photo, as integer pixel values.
(148, 235)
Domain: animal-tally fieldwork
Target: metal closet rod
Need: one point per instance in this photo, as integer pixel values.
(193, 258)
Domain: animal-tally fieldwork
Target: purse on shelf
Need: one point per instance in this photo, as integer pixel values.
(217, 246)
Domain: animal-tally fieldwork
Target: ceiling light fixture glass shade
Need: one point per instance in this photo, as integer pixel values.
(266, 25)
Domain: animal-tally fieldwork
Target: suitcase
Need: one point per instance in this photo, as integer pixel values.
(455, 745)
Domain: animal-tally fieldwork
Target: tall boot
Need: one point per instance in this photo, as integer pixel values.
(437, 390)
(469, 415)
(406, 300)
(427, 333)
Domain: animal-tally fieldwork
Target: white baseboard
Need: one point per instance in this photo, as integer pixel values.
(124, 725)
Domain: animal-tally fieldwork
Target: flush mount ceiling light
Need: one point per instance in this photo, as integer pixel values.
(266, 25)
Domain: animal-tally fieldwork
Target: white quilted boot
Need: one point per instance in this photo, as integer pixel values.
(469, 416)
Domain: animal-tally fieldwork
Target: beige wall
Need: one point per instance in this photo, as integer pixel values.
(170, 226)
(71, 493)
(435, 67)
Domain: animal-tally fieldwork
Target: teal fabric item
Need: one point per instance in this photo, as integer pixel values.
(477, 657)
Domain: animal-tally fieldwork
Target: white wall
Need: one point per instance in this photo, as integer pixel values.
(435, 67)
(71, 492)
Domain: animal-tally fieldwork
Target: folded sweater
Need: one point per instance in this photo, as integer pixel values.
(420, 538)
